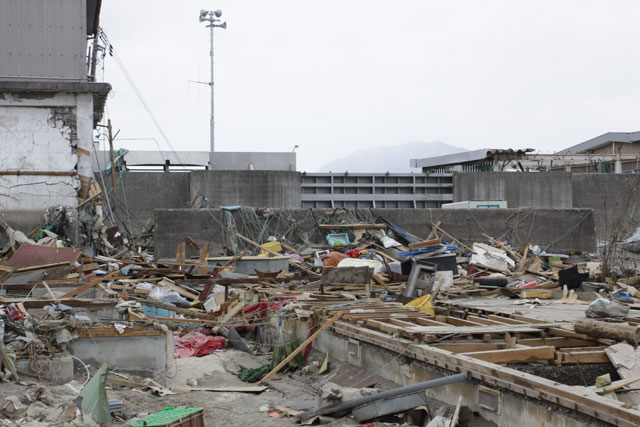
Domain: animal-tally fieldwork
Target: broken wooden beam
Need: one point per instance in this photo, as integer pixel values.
(299, 349)
(515, 355)
(614, 331)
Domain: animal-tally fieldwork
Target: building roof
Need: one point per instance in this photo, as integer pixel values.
(464, 157)
(599, 141)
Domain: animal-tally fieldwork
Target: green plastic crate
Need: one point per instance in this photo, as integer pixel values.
(171, 417)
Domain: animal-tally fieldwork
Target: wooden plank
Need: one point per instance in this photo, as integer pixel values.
(558, 342)
(202, 260)
(430, 322)
(87, 286)
(570, 334)
(464, 347)
(582, 357)
(299, 349)
(523, 260)
(483, 321)
(185, 293)
(505, 320)
(456, 321)
(425, 244)
(384, 255)
(384, 327)
(492, 329)
(71, 302)
(619, 384)
(289, 248)
(514, 355)
(399, 322)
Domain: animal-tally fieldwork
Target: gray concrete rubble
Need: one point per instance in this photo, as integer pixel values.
(345, 312)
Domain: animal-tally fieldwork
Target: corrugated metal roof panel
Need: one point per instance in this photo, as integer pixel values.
(592, 144)
(43, 39)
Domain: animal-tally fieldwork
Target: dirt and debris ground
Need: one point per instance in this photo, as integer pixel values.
(231, 409)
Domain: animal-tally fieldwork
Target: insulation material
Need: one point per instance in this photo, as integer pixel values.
(490, 257)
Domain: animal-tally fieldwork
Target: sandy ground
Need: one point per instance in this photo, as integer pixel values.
(227, 409)
(221, 409)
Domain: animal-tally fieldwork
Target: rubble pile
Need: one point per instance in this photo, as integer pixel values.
(477, 299)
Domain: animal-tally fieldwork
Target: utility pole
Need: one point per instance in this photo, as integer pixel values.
(211, 16)
(113, 166)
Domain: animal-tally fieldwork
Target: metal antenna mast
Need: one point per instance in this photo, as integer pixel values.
(211, 16)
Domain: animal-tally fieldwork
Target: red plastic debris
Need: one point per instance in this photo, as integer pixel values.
(196, 344)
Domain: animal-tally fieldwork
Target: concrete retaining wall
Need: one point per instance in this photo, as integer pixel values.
(141, 355)
(251, 160)
(143, 192)
(520, 190)
(560, 229)
(269, 189)
(613, 197)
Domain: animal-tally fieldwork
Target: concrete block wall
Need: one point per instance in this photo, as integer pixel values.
(614, 198)
(140, 193)
(252, 160)
(559, 229)
(269, 189)
(520, 190)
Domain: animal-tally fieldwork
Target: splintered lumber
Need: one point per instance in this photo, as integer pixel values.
(88, 285)
(583, 357)
(437, 227)
(171, 285)
(425, 244)
(614, 331)
(456, 414)
(489, 329)
(619, 384)
(299, 349)
(514, 355)
(204, 254)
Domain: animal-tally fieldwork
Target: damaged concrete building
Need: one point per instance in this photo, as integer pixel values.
(49, 105)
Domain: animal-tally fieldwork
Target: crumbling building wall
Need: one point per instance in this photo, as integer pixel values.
(38, 158)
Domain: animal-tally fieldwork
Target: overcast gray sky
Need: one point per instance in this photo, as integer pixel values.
(335, 77)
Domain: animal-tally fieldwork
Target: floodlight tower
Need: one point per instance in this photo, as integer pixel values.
(212, 17)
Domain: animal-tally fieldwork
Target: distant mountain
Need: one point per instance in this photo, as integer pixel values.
(393, 158)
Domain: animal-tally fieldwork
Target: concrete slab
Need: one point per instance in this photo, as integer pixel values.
(141, 355)
(60, 372)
